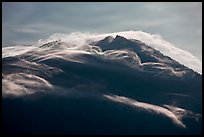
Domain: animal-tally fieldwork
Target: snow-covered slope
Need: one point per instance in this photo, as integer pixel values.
(154, 40)
(74, 78)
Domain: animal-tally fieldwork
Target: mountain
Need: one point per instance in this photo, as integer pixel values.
(109, 86)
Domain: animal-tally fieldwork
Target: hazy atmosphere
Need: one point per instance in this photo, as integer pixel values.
(178, 23)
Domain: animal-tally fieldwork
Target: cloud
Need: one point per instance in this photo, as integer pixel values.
(75, 47)
(165, 47)
(179, 23)
(81, 41)
(181, 113)
(154, 40)
(174, 113)
(20, 84)
(15, 50)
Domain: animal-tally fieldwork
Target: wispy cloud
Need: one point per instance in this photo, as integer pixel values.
(174, 113)
(154, 40)
(179, 23)
(21, 84)
(15, 50)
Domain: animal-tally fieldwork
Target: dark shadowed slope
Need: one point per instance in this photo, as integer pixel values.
(112, 86)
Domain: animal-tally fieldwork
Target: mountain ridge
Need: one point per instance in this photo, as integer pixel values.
(87, 89)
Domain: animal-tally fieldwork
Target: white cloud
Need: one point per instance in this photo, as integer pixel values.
(20, 84)
(15, 50)
(80, 41)
(167, 48)
(174, 113)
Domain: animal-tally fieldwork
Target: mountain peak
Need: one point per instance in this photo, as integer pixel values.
(150, 57)
(118, 37)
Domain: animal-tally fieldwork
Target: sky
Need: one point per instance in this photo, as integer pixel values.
(178, 23)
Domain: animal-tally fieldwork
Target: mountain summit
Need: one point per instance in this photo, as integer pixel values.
(113, 85)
